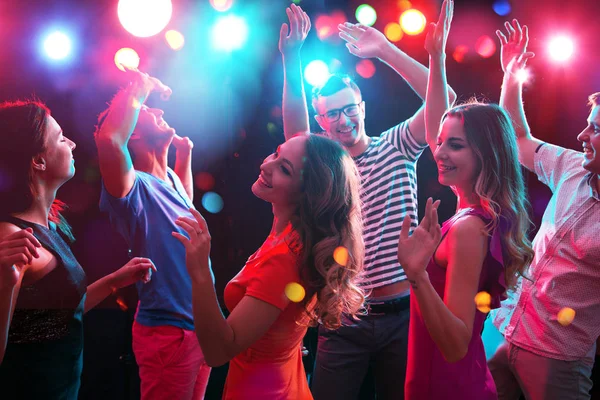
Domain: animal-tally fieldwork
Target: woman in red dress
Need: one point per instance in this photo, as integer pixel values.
(313, 186)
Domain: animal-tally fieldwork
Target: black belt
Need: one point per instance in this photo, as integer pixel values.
(391, 306)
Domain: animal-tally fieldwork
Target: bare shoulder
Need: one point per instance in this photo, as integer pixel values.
(6, 229)
(469, 226)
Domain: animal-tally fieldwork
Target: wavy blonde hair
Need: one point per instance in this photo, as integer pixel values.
(329, 216)
(499, 183)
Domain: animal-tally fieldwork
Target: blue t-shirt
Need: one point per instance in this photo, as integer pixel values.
(145, 217)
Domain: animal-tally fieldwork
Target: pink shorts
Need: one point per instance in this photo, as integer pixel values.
(170, 361)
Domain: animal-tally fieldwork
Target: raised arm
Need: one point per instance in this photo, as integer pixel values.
(437, 102)
(220, 338)
(115, 130)
(294, 107)
(183, 163)
(514, 56)
(18, 249)
(368, 42)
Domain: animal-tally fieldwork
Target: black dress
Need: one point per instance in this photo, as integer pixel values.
(43, 358)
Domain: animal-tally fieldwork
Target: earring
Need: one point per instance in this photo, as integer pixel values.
(43, 167)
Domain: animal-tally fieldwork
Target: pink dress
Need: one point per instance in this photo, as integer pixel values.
(429, 375)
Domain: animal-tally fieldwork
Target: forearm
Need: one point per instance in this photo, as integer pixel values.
(511, 99)
(183, 169)
(437, 101)
(294, 107)
(214, 334)
(98, 291)
(413, 72)
(6, 309)
(449, 333)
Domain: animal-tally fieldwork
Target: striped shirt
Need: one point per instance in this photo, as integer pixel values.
(388, 170)
(565, 271)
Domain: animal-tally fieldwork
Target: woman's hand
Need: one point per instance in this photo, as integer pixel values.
(437, 35)
(137, 269)
(16, 250)
(197, 244)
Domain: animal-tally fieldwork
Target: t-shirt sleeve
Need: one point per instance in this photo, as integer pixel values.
(402, 138)
(554, 163)
(122, 211)
(271, 278)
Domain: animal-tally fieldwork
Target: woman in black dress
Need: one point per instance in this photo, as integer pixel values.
(43, 291)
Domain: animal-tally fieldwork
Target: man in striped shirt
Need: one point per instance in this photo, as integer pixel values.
(387, 164)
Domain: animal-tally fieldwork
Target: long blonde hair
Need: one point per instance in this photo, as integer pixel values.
(328, 217)
(499, 184)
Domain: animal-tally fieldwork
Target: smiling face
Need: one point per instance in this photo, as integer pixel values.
(280, 179)
(151, 126)
(456, 161)
(347, 130)
(590, 139)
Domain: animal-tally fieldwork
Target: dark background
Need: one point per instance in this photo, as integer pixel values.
(229, 105)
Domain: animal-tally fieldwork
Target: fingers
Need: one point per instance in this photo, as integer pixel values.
(283, 32)
(434, 218)
(183, 239)
(525, 37)
(348, 38)
(426, 221)
(345, 28)
(200, 219)
(518, 30)
(502, 38)
(16, 259)
(189, 226)
(353, 49)
(405, 227)
(510, 30)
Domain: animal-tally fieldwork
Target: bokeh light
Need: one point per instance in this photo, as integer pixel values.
(393, 32)
(460, 52)
(127, 57)
(485, 46)
(324, 26)
(212, 202)
(57, 45)
(294, 292)
(483, 301)
(501, 7)
(565, 316)
(316, 73)
(523, 75)
(365, 68)
(144, 18)
(412, 22)
(204, 181)
(404, 5)
(561, 48)
(174, 39)
(221, 5)
(340, 255)
(366, 15)
(229, 33)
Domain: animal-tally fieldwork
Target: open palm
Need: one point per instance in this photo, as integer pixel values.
(514, 54)
(363, 41)
(415, 251)
(437, 36)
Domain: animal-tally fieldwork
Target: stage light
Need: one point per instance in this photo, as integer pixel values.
(366, 15)
(126, 57)
(174, 39)
(221, 5)
(325, 26)
(57, 45)
(412, 22)
(365, 68)
(393, 32)
(485, 46)
(561, 48)
(501, 7)
(144, 18)
(316, 73)
(523, 75)
(229, 33)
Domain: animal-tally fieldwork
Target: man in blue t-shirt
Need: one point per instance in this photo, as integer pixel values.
(143, 199)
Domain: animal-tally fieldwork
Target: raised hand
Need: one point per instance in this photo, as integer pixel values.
(363, 41)
(437, 35)
(292, 38)
(16, 250)
(137, 269)
(514, 54)
(184, 144)
(147, 84)
(197, 244)
(415, 251)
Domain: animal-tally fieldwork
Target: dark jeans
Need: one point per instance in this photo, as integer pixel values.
(379, 341)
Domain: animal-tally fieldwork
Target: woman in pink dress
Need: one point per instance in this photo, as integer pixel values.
(482, 248)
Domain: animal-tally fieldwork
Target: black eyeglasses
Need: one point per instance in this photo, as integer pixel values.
(351, 110)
